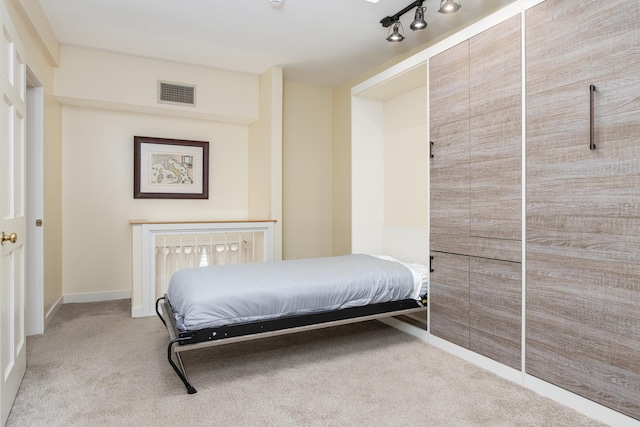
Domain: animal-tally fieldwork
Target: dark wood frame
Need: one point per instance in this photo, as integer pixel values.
(137, 146)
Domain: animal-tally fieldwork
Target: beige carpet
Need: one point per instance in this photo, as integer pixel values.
(96, 366)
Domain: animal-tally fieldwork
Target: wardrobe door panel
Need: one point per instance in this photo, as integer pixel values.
(475, 205)
(449, 91)
(449, 298)
(450, 186)
(506, 250)
(449, 129)
(495, 147)
(583, 211)
(575, 41)
(495, 310)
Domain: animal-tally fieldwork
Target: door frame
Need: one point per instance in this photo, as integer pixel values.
(34, 314)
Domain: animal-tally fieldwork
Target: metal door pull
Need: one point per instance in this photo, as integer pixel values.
(592, 144)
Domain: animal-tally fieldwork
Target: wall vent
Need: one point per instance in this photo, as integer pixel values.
(176, 93)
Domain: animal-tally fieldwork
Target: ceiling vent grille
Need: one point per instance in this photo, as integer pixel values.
(176, 93)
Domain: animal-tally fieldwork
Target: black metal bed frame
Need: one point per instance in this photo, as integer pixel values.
(191, 340)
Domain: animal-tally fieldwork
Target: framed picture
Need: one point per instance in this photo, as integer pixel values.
(170, 168)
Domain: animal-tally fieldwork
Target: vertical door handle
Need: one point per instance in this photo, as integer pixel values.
(430, 268)
(431, 149)
(592, 144)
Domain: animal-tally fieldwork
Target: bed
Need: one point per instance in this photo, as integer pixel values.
(223, 304)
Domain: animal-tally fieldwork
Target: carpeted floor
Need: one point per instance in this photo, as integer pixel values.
(96, 366)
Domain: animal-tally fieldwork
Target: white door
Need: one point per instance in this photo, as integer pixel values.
(12, 216)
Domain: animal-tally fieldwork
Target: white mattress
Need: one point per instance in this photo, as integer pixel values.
(214, 296)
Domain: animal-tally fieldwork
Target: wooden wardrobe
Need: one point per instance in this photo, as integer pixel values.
(581, 188)
(475, 228)
(583, 199)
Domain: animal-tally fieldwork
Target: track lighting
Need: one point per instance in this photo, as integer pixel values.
(395, 34)
(391, 20)
(449, 6)
(419, 23)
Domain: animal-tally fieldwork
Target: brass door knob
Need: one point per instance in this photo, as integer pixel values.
(13, 237)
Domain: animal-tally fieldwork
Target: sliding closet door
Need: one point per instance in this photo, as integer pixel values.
(583, 206)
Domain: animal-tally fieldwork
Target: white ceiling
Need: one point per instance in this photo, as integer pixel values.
(321, 42)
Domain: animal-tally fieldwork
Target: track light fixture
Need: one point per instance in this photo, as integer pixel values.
(449, 6)
(387, 21)
(395, 34)
(418, 22)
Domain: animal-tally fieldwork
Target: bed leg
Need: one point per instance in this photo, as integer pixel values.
(158, 310)
(180, 371)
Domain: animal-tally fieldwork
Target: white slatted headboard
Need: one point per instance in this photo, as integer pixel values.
(161, 248)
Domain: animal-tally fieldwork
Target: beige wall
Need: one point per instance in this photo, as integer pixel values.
(98, 189)
(260, 155)
(110, 98)
(307, 171)
(341, 171)
(265, 155)
(129, 83)
(104, 109)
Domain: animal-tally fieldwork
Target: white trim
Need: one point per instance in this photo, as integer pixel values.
(96, 296)
(137, 311)
(367, 181)
(429, 151)
(34, 309)
(523, 196)
(48, 317)
(143, 294)
(585, 406)
(407, 328)
(477, 359)
(406, 244)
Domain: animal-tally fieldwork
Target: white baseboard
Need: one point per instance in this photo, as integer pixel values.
(484, 362)
(405, 327)
(49, 315)
(585, 406)
(137, 312)
(96, 297)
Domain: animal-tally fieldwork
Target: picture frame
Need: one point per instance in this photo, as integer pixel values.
(170, 168)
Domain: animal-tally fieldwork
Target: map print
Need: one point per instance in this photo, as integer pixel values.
(171, 169)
